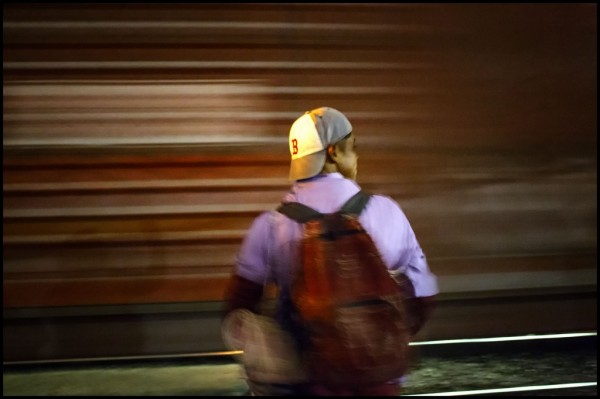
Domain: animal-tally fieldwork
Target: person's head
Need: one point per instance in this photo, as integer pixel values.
(321, 141)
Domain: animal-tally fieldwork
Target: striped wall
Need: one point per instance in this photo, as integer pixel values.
(139, 141)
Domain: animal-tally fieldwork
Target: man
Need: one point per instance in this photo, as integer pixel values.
(323, 169)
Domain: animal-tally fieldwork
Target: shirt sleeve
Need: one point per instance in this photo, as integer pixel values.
(417, 271)
(252, 258)
(406, 254)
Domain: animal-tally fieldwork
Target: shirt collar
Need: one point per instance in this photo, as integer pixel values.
(333, 175)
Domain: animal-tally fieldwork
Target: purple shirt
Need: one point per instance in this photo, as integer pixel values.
(270, 247)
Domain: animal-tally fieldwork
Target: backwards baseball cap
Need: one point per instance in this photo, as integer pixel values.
(310, 135)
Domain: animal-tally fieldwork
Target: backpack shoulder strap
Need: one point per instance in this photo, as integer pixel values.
(298, 212)
(356, 204)
(302, 213)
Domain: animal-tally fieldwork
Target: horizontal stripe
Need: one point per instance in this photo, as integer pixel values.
(147, 184)
(135, 211)
(73, 65)
(125, 237)
(254, 26)
(498, 281)
(504, 339)
(258, 115)
(224, 138)
(514, 389)
(516, 280)
(130, 90)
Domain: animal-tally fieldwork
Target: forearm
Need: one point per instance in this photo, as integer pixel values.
(242, 293)
(420, 310)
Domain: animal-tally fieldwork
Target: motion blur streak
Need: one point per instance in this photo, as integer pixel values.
(141, 140)
(504, 339)
(515, 389)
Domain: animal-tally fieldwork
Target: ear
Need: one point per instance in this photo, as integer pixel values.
(332, 153)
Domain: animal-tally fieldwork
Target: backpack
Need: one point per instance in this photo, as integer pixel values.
(350, 308)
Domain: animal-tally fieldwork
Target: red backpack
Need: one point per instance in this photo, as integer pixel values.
(350, 308)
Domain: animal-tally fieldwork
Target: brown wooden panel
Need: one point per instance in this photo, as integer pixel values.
(138, 138)
(111, 259)
(96, 291)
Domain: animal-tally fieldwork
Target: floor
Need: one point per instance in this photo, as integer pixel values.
(463, 368)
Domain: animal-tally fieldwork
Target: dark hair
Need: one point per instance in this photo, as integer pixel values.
(343, 141)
